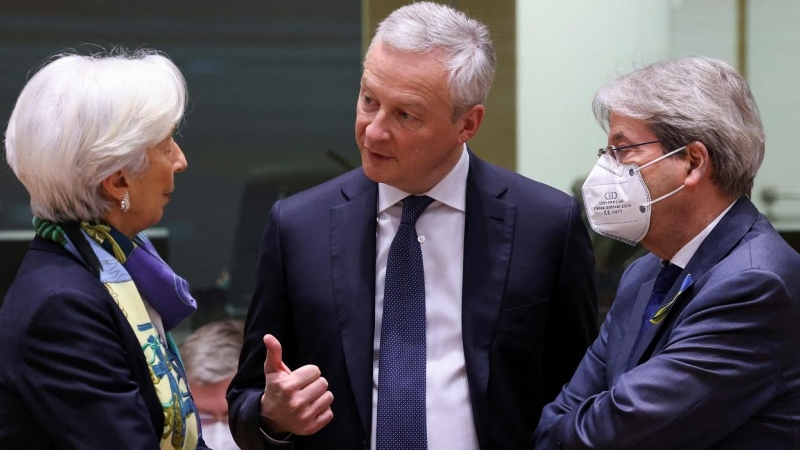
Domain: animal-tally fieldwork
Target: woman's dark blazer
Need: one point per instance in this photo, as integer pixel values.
(72, 374)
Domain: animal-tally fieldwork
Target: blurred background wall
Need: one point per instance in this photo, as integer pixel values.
(567, 50)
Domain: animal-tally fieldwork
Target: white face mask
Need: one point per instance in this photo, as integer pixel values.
(617, 200)
(217, 436)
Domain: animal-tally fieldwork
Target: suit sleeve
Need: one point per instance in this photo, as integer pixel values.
(589, 379)
(269, 313)
(720, 367)
(572, 316)
(75, 377)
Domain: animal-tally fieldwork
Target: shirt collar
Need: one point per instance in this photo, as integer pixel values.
(451, 190)
(681, 259)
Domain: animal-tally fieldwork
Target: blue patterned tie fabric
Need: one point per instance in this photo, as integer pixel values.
(665, 279)
(401, 374)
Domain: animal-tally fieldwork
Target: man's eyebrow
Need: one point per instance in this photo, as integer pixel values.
(401, 102)
(618, 136)
(365, 81)
(411, 104)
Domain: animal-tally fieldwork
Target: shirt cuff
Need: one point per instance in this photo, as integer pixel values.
(283, 441)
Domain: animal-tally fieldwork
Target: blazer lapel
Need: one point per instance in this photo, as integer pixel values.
(650, 329)
(353, 227)
(488, 235)
(723, 238)
(721, 241)
(629, 342)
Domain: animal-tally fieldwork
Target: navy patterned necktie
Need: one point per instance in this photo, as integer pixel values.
(401, 375)
(664, 281)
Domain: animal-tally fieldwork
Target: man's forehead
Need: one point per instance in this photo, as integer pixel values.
(625, 128)
(434, 52)
(407, 88)
(403, 98)
(382, 56)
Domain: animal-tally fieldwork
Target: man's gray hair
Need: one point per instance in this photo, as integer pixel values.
(466, 43)
(694, 99)
(211, 353)
(82, 118)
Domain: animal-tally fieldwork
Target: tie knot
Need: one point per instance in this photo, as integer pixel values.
(666, 277)
(413, 206)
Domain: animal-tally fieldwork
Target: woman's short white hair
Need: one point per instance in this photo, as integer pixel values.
(470, 57)
(81, 118)
(694, 99)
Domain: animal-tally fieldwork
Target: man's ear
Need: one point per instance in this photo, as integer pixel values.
(114, 186)
(700, 167)
(470, 123)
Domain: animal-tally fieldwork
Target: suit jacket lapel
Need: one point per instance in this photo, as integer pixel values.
(721, 241)
(353, 227)
(488, 234)
(723, 238)
(650, 329)
(633, 325)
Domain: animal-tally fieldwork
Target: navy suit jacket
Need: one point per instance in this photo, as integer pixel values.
(72, 373)
(722, 370)
(528, 315)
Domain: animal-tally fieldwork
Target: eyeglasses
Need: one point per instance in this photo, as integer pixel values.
(613, 151)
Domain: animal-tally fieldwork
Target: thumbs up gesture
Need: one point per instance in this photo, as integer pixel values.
(293, 401)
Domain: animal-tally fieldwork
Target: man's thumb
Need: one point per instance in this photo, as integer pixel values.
(274, 362)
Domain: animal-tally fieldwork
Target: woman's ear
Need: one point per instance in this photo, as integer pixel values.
(115, 186)
(699, 163)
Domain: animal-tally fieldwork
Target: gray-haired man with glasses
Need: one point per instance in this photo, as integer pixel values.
(701, 347)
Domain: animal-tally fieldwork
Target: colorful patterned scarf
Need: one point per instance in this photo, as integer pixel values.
(131, 270)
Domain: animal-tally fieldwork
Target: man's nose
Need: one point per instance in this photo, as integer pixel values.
(376, 130)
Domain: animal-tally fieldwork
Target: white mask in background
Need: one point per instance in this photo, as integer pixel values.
(217, 436)
(617, 200)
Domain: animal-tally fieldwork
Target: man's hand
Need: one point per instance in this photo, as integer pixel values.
(298, 402)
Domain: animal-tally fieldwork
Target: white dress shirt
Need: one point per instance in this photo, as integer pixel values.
(449, 411)
(684, 255)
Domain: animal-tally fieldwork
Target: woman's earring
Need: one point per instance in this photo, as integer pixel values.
(125, 203)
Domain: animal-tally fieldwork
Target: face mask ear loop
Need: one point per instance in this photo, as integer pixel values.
(645, 205)
(638, 169)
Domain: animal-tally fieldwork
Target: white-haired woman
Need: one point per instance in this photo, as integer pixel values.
(86, 359)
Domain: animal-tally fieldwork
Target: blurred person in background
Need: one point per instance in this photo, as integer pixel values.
(211, 355)
(87, 360)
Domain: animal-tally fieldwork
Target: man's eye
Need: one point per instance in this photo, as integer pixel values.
(405, 116)
(620, 154)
